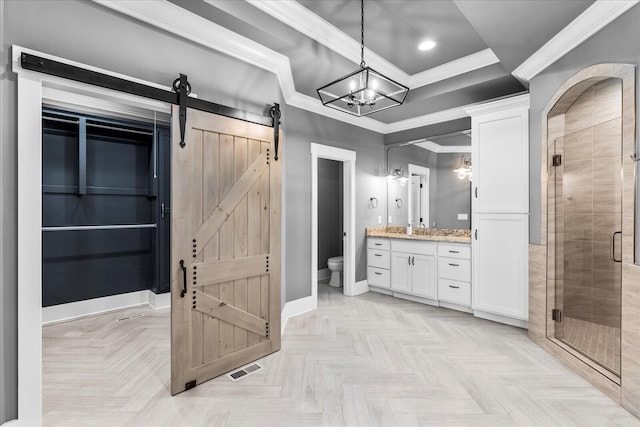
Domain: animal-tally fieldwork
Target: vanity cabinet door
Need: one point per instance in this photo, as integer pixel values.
(423, 276)
(400, 271)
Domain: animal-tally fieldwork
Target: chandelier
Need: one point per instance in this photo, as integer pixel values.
(365, 90)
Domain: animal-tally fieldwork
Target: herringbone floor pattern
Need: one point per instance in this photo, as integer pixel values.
(370, 360)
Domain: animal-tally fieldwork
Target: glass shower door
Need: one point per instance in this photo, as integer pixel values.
(588, 219)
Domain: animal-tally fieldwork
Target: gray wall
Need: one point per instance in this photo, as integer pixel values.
(303, 128)
(617, 42)
(453, 195)
(330, 192)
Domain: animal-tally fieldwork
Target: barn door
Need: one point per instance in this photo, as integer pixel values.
(225, 247)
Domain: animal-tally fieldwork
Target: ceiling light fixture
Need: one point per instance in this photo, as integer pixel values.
(427, 45)
(464, 169)
(365, 90)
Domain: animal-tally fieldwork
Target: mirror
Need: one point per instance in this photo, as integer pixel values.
(428, 184)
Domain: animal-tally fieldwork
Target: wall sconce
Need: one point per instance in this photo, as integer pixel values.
(464, 168)
(398, 174)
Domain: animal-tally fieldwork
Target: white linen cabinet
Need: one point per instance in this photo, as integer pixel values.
(500, 209)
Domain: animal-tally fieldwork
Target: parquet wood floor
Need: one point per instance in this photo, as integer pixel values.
(370, 360)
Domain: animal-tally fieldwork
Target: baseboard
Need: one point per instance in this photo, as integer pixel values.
(360, 287)
(296, 307)
(414, 298)
(158, 301)
(453, 306)
(501, 319)
(384, 291)
(324, 274)
(76, 310)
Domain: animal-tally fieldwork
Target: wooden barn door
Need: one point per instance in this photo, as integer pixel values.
(225, 247)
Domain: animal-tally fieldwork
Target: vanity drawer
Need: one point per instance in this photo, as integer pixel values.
(455, 292)
(454, 251)
(377, 258)
(374, 243)
(418, 248)
(378, 277)
(454, 269)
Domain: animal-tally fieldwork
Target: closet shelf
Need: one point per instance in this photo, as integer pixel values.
(99, 227)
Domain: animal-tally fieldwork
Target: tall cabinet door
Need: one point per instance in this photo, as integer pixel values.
(500, 264)
(501, 162)
(500, 206)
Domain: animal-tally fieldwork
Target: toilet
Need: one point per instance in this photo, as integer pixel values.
(335, 265)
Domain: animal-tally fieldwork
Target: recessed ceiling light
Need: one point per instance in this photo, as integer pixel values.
(427, 45)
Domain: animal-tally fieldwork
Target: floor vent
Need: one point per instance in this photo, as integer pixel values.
(133, 316)
(244, 372)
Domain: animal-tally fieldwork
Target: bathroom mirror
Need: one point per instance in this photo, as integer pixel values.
(427, 183)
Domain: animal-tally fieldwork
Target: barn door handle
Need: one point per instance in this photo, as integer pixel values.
(184, 279)
(275, 115)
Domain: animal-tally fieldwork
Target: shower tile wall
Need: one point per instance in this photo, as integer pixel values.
(589, 205)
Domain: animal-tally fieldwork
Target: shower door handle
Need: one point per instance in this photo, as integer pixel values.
(613, 246)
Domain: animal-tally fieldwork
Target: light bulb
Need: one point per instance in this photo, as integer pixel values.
(371, 94)
(374, 84)
(427, 45)
(352, 85)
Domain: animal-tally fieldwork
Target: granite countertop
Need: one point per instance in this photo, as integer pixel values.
(428, 234)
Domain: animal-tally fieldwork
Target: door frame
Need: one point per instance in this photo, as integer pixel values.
(425, 172)
(33, 89)
(348, 160)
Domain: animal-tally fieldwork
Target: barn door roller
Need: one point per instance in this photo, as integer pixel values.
(181, 88)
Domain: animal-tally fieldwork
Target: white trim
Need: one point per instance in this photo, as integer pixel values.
(33, 90)
(428, 119)
(437, 148)
(29, 250)
(176, 20)
(324, 273)
(348, 159)
(501, 319)
(520, 101)
(425, 172)
(589, 22)
(465, 64)
(311, 25)
(79, 309)
(158, 301)
(360, 287)
(295, 308)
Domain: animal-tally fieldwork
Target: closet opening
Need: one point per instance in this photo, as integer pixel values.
(105, 213)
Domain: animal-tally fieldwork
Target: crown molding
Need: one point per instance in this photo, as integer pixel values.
(428, 119)
(513, 102)
(301, 19)
(459, 66)
(176, 20)
(589, 22)
(440, 149)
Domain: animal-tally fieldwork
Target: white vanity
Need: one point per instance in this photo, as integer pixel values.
(433, 270)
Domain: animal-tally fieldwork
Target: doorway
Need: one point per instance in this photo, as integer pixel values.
(418, 196)
(587, 233)
(347, 158)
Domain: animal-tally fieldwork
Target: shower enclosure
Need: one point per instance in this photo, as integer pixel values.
(584, 196)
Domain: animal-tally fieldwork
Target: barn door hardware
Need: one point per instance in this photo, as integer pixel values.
(181, 87)
(184, 279)
(275, 115)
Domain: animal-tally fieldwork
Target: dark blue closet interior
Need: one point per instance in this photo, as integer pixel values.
(105, 207)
